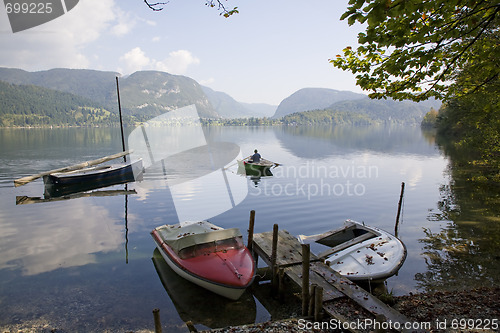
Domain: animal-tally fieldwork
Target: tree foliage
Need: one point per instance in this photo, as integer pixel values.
(413, 49)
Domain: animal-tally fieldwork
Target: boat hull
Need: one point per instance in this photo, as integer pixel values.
(227, 273)
(362, 253)
(374, 259)
(256, 169)
(105, 174)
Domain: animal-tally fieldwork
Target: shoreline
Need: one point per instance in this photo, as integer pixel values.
(472, 310)
(452, 311)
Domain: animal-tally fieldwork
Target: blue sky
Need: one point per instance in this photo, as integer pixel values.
(261, 55)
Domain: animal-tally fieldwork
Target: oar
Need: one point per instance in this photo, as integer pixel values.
(27, 179)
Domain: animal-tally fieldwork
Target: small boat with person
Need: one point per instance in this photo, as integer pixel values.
(255, 165)
(207, 255)
(359, 252)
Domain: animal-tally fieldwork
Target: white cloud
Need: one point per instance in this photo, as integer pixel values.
(125, 24)
(207, 82)
(135, 60)
(177, 62)
(58, 43)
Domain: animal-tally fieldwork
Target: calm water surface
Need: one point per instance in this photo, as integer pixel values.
(89, 263)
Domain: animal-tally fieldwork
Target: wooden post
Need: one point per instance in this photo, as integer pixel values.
(281, 284)
(380, 318)
(310, 312)
(191, 326)
(306, 252)
(121, 121)
(156, 315)
(250, 229)
(274, 267)
(318, 303)
(396, 227)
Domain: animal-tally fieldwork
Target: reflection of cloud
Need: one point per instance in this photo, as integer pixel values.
(415, 177)
(413, 172)
(57, 238)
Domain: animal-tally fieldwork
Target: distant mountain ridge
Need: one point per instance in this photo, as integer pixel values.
(146, 94)
(308, 99)
(314, 102)
(227, 107)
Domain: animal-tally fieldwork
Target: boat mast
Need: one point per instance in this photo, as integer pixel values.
(121, 121)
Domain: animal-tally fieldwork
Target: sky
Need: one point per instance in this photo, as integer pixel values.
(264, 54)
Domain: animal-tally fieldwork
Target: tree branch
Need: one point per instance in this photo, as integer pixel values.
(154, 6)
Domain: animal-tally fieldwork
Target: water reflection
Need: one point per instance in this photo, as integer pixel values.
(58, 240)
(460, 239)
(201, 306)
(317, 142)
(463, 252)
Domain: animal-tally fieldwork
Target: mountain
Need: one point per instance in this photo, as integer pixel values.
(260, 109)
(29, 105)
(225, 105)
(392, 111)
(319, 105)
(154, 93)
(95, 85)
(145, 93)
(228, 107)
(313, 99)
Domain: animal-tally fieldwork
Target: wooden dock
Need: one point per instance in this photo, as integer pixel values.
(283, 253)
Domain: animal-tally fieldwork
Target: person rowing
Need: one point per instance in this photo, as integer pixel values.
(255, 158)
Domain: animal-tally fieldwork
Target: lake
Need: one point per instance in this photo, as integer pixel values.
(89, 263)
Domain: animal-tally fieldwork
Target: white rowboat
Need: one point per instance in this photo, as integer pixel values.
(360, 252)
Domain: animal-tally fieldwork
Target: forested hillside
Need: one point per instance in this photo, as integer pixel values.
(27, 105)
(144, 94)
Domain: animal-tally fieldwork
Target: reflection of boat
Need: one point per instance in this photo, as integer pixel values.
(207, 255)
(216, 312)
(23, 200)
(262, 168)
(360, 252)
(109, 174)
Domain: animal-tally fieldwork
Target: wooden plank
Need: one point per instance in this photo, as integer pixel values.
(289, 250)
(294, 273)
(27, 179)
(358, 295)
(331, 309)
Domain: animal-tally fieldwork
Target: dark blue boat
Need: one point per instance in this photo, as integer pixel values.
(61, 183)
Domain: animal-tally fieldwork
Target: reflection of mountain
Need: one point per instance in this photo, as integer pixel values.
(325, 141)
(66, 238)
(201, 306)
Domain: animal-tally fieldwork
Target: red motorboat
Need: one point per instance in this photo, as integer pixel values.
(210, 256)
